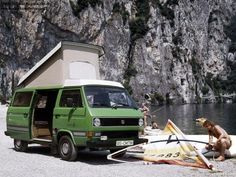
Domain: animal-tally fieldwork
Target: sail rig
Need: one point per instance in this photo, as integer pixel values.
(169, 147)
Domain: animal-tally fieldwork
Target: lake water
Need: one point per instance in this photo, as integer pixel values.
(184, 116)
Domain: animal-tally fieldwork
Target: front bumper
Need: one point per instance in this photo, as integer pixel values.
(110, 144)
(6, 133)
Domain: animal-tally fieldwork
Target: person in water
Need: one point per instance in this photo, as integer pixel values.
(223, 141)
(154, 125)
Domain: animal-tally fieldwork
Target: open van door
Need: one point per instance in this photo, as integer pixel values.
(42, 117)
(19, 116)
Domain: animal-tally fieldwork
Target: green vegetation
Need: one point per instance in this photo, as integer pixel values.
(166, 10)
(131, 71)
(177, 39)
(82, 5)
(159, 98)
(120, 8)
(212, 18)
(116, 8)
(8, 24)
(128, 87)
(156, 97)
(230, 32)
(218, 85)
(138, 29)
(229, 85)
(168, 100)
(2, 99)
(176, 52)
(214, 82)
(205, 90)
(138, 25)
(172, 66)
(195, 65)
(2, 61)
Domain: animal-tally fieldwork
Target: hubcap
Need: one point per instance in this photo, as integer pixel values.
(18, 143)
(65, 148)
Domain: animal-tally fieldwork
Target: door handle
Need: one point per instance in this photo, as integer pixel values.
(25, 115)
(57, 116)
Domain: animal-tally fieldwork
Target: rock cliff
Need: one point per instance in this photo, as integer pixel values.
(179, 51)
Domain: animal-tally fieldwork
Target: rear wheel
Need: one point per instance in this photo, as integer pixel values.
(67, 149)
(20, 145)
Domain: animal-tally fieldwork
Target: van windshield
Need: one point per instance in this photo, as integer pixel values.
(104, 96)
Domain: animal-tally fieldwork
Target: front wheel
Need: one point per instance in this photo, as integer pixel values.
(20, 145)
(67, 149)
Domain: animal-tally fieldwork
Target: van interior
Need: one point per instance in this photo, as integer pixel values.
(44, 104)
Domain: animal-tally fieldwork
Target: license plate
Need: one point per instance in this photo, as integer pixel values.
(125, 143)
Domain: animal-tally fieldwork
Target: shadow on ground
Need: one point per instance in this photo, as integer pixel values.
(84, 156)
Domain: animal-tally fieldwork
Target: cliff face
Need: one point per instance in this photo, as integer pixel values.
(177, 50)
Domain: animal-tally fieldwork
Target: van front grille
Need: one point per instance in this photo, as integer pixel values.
(119, 121)
(120, 134)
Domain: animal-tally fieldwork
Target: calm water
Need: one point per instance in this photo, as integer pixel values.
(184, 115)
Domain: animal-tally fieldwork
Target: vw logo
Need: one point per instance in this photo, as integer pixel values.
(122, 122)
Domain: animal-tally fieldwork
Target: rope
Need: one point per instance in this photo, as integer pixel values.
(156, 110)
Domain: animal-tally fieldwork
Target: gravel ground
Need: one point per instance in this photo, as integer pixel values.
(38, 162)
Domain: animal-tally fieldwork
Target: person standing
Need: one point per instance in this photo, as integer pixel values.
(144, 108)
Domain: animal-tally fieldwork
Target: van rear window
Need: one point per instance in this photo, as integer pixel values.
(22, 99)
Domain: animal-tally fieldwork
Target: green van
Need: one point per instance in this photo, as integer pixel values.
(93, 114)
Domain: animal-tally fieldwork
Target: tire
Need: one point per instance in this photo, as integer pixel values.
(20, 145)
(113, 150)
(54, 150)
(67, 149)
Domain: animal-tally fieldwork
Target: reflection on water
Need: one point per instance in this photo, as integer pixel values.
(184, 116)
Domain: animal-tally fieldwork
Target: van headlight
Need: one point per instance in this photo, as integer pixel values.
(96, 122)
(140, 122)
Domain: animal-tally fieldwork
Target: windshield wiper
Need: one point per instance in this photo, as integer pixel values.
(114, 106)
(122, 105)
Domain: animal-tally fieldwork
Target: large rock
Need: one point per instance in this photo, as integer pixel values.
(184, 43)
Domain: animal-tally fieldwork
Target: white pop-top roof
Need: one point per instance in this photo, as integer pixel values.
(53, 51)
(43, 60)
(80, 82)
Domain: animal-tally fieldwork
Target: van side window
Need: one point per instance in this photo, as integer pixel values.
(71, 98)
(22, 99)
